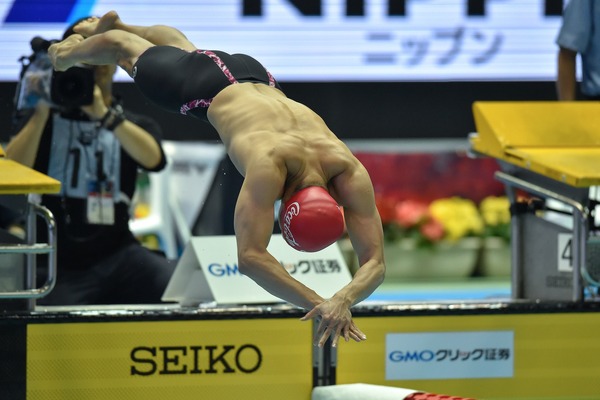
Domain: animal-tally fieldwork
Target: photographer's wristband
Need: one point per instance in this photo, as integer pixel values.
(113, 118)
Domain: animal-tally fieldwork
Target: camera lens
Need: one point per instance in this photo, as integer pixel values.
(73, 87)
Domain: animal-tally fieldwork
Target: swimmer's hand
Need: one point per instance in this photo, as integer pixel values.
(335, 320)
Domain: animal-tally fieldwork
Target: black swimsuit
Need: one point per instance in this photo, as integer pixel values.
(186, 82)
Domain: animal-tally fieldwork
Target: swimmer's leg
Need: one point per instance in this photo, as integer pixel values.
(111, 47)
(160, 35)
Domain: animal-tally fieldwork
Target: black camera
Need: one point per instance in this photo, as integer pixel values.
(67, 89)
(73, 87)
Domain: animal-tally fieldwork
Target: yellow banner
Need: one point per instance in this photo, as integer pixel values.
(226, 359)
(555, 355)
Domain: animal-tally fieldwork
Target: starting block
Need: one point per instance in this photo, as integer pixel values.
(550, 151)
(19, 179)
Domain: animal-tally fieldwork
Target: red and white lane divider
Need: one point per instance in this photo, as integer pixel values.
(363, 391)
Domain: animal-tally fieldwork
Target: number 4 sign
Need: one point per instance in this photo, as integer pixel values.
(565, 252)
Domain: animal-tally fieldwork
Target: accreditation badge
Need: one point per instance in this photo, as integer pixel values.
(100, 203)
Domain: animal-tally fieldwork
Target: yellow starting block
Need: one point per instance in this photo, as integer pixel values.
(19, 179)
(560, 140)
(550, 150)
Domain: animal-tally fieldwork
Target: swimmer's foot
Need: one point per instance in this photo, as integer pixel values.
(94, 25)
(58, 52)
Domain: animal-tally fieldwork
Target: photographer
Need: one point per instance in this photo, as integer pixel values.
(79, 134)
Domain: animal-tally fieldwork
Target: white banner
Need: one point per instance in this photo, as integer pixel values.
(328, 40)
(449, 355)
(178, 193)
(208, 271)
(193, 167)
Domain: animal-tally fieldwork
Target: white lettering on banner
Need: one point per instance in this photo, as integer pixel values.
(449, 355)
(369, 40)
(291, 211)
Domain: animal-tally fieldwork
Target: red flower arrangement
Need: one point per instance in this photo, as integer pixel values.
(428, 223)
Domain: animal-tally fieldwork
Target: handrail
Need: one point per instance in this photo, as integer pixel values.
(36, 248)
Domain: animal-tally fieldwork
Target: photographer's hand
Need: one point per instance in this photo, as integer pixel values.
(138, 143)
(24, 146)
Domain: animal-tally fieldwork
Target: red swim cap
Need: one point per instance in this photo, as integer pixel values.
(311, 219)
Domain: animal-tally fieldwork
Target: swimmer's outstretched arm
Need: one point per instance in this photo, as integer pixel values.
(254, 218)
(354, 191)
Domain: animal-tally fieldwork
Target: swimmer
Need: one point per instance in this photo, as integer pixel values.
(284, 150)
